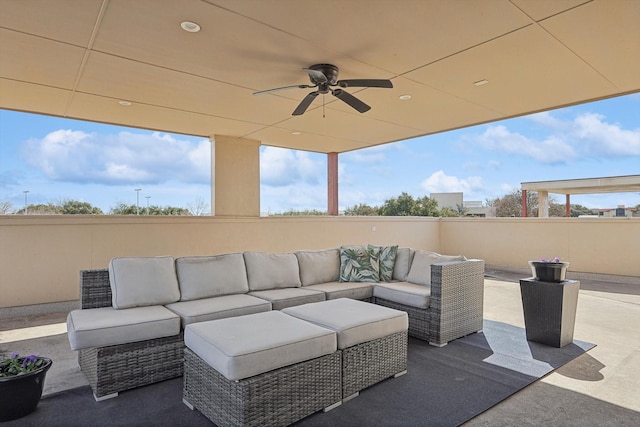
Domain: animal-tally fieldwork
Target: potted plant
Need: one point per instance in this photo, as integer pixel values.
(21, 382)
(549, 269)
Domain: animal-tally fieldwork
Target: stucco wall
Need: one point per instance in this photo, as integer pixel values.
(591, 245)
(41, 256)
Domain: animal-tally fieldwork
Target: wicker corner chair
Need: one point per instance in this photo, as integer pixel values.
(456, 306)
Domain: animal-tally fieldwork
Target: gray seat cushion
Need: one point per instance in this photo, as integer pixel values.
(211, 276)
(270, 271)
(319, 266)
(105, 326)
(140, 281)
(282, 298)
(354, 321)
(404, 293)
(335, 290)
(250, 345)
(218, 308)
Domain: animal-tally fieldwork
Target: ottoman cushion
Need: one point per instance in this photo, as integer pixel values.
(354, 321)
(244, 346)
(105, 326)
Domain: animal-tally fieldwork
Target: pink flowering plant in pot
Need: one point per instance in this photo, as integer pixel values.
(549, 269)
(21, 383)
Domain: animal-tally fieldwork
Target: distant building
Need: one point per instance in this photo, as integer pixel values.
(455, 201)
(618, 212)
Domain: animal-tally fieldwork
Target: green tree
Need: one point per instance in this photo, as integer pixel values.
(402, 205)
(40, 209)
(577, 210)
(75, 207)
(425, 206)
(292, 212)
(124, 209)
(448, 212)
(362, 210)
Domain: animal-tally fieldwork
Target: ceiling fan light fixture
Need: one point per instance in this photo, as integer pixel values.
(190, 27)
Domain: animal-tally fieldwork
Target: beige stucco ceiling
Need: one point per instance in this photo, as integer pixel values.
(79, 58)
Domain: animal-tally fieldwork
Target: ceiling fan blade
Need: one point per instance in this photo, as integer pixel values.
(283, 88)
(316, 76)
(351, 100)
(302, 107)
(365, 83)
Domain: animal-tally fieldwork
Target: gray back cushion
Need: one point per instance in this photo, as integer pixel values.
(402, 264)
(420, 272)
(321, 266)
(211, 276)
(271, 271)
(141, 281)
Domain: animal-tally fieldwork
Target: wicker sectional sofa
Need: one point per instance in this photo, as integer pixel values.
(129, 330)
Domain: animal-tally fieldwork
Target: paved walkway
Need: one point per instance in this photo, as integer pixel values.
(596, 389)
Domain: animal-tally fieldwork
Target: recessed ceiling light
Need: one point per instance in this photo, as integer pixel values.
(404, 97)
(125, 103)
(295, 133)
(190, 27)
(481, 82)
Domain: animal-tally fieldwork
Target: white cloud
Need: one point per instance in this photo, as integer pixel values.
(551, 150)
(282, 167)
(114, 159)
(606, 139)
(440, 182)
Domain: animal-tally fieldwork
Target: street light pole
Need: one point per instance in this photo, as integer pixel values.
(137, 190)
(26, 211)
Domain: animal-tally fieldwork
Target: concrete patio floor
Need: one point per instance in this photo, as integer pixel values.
(598, 388)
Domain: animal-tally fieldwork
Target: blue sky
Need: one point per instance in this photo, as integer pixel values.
(56, 159)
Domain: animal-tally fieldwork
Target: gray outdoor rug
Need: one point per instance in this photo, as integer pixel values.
(444, 387)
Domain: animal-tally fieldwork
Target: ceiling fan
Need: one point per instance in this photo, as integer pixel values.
(324, 77)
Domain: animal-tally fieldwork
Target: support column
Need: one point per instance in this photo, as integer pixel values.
(524, 203)
(332, 183)
(235, 176)
(543, 204)
(568, 206)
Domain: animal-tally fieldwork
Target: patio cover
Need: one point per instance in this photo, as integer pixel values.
(614, 184)
(463, 63)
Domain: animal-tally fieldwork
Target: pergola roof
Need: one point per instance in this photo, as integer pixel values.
(613, 184)
(79, 58)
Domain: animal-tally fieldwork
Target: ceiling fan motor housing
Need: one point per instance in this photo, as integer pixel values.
(330, 71)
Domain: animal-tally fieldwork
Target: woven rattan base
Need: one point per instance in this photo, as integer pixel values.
(276, 398)
(373, 361)
(418, 318)
(116, 368)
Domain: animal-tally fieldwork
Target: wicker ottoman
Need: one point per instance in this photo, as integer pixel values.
(260, 369)
(373, 339)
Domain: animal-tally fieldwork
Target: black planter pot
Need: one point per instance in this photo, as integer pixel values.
(549, 271)
(20, 394)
